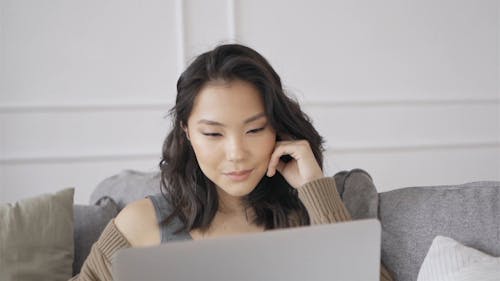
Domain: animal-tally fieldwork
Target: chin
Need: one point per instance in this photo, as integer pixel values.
(238, 191)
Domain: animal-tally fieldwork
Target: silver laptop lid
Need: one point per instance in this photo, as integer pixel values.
(341, 251)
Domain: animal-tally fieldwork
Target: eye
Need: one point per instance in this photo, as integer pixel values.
(212, 134)
(256, 130)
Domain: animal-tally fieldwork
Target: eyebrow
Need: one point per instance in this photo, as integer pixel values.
(248, 120)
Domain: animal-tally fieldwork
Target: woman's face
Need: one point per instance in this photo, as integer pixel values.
(231, 136)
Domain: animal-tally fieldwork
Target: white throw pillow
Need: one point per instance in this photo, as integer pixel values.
(448, 260)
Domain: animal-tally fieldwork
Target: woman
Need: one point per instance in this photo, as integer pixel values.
(241, 157)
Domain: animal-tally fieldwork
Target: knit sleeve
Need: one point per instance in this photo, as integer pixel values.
(324, 205)
(322, 201)
(97, 266)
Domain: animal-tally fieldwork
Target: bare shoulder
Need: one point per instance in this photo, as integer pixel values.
(137, 222)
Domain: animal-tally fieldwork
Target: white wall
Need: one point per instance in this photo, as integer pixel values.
(407, 90)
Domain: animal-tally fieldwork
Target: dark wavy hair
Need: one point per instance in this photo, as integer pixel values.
(192, 195)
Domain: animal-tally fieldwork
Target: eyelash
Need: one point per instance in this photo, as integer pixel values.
(218, 135)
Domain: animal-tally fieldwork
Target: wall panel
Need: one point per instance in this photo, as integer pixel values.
(392, 169)
(81, 133)
(207, 24)
(55, 51)
(407, 90)
(30, 179)
(406, 124)
(377, 49)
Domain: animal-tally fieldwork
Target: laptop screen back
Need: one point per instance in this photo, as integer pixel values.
(341, 251)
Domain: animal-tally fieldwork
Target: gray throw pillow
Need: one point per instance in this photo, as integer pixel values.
(127, 186)
(90, 221)
(36, 238)
(358, 193)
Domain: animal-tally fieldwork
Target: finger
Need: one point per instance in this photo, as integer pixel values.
(280, 167)
(272, 164)
(271, 167)
(279, 151)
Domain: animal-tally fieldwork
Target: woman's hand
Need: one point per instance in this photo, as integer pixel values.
(303, 167)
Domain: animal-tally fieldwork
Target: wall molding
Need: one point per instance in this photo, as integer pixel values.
(180, 35)
(78, 158)
(84, 106)
(330, 149)
(231, 19)
(26, 107)
(409, 147)
(402, 102)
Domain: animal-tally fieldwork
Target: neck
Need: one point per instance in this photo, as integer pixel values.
(231, 206)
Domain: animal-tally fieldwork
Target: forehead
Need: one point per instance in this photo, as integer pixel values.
(227, 102)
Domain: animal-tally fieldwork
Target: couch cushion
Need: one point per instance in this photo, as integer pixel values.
(127, 186)
(411, 218)
(358, 192)
(36, 237)
(89, 222)
(355, 187)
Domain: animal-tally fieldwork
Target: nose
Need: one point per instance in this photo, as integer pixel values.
(235, 150)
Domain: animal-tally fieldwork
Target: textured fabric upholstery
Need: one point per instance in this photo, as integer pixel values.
(36, 237)
(127, 186)
(412, 217)
(89, 222)
(358, 192)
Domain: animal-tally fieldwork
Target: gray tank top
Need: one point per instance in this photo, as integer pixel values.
(163, 208)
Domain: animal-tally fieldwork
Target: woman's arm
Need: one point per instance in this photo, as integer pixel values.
(97, 266)
(322, 201)
(317, 192)
(324, 205)
(135, 226)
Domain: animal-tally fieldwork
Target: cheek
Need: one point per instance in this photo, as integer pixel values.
(265, 147)
(206, 154)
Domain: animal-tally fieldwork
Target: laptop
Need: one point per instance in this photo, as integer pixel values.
(347, 251)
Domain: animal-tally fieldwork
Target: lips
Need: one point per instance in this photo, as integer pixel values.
(239, 175)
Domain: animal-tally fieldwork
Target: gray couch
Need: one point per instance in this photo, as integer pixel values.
(411, 217)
